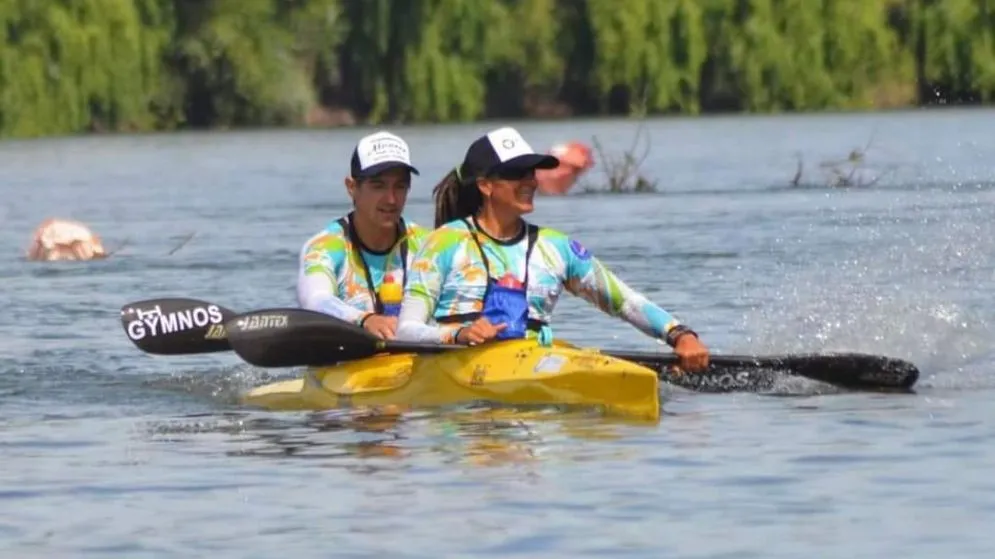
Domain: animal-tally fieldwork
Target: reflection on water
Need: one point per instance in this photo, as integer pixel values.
(392, 438)
(374, 439)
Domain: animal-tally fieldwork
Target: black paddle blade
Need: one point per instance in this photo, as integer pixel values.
(759, 374)
(297, 337)
(856, 371)
(744, 373)
(719, 379)
(176, 326)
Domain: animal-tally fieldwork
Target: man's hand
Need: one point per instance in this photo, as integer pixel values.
(381, 326)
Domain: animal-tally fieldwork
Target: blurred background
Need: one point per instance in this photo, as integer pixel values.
(76, 65)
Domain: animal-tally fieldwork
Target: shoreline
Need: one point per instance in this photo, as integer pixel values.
(359, 125)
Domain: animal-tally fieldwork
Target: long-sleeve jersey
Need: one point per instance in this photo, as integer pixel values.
(447, 277)
(332, 277)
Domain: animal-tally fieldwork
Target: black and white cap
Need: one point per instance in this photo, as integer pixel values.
(501, 149)
(380, 152)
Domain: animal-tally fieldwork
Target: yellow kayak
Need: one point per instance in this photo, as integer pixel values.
(517, 372)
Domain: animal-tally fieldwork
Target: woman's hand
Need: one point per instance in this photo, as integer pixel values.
(693, 354)
(480, 331)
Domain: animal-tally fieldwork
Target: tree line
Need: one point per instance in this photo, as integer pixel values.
(69, 66)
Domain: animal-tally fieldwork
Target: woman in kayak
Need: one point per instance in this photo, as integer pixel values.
(485, 273)
(355, 268)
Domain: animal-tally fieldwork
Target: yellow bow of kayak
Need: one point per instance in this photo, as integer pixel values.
(518, 372)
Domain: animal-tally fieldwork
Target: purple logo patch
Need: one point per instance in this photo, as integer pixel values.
(579, 250)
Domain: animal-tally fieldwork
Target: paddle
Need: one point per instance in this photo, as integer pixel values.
(298, 337)
(176, 326)
(185, 331)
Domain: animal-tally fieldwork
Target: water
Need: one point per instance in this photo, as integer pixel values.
(109, 452)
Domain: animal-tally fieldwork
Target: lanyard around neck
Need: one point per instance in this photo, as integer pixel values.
(349, 228)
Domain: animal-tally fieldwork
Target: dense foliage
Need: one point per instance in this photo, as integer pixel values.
(76, 65)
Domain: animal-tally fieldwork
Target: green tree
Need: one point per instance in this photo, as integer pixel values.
(68, 66)
(73, 65)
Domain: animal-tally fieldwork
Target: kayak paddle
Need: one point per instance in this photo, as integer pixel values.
(288, 337)
(183, 332)
(176, 326)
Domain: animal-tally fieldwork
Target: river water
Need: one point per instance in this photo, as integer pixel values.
(108, 452)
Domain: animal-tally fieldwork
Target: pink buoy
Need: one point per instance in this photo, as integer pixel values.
(62, 239)
(575, 160)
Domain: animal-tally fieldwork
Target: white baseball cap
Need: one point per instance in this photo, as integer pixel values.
(379, 152)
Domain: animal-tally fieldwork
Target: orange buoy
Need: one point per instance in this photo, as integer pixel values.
(63, 239)
(575, 160)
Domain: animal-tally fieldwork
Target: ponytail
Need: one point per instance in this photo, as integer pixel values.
(455, 197)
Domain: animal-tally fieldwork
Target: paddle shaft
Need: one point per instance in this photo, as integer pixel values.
(659, 359)
(851, 370)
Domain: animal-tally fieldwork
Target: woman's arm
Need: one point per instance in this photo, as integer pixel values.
(588, 278)
(428, 270)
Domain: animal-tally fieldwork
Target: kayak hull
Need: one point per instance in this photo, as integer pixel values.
(518, 372)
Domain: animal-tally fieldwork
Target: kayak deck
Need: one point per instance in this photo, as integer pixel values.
(518, 372)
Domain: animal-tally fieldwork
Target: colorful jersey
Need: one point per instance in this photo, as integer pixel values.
(332, 277)
(447, 277)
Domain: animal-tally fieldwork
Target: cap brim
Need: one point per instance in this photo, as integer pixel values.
(530, 161)
(383, 167)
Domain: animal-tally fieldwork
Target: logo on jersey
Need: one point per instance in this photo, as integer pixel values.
(579, 250)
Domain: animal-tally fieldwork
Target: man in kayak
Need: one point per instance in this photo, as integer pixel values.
(485, 273)
(356, 267)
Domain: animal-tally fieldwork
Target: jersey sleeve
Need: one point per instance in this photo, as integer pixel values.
(589, 279)
(317, 286)
(429, 268)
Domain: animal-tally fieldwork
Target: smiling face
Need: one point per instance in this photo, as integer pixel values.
(510, 190)
(379, 200)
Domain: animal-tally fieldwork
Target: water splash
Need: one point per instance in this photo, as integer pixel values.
(223, 386)
(909, 292)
